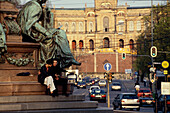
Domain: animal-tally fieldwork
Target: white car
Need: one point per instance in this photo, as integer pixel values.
(126, 100)
(102, 83)
(116, 86)
(93, 87)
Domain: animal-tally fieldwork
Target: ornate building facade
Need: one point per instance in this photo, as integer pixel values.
(106, 29)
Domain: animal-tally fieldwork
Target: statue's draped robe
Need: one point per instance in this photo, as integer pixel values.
(55, 47)
(3, 47)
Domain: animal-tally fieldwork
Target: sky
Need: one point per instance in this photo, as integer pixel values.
(90, 3)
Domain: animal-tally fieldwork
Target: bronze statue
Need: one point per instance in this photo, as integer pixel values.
(3, 47)
(36, 25)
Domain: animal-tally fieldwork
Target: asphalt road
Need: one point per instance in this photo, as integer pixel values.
(127, 86)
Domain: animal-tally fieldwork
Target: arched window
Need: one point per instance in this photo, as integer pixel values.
(59, 24)
(81, 44)
(131, 44)
(106, 24)
(73, 45)
(106, 42)
(80, 26)
(66, 27)
(73, 27)
(91, 43)
(121, 43)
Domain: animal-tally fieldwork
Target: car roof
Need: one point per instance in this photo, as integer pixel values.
(116, 82)
(128, 93)
(144, 89)
(94, 86)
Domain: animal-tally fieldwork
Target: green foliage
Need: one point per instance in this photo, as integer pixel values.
(161, 38)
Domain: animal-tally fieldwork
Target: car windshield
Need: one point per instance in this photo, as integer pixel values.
(116, 84)
(94, 88)
(168, 97)
(98, 91)
(144, 91)
(102, 81)
(81, 83)
(130, 97)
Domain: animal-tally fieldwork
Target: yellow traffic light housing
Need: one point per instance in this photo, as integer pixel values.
(153, 51)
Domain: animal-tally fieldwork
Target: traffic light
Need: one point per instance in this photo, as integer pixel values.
(109, 77)
(123, 56)
(153, 51)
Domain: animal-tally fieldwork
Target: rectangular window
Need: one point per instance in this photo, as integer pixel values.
(138, 28)
(91, 27)
(131, 26)
(121, 28)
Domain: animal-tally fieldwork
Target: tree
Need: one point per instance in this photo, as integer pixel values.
(161, 39)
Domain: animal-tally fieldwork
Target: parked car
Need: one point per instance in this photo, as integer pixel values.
(147, 101)
(144, 92)
(116, 86)
(161, 103)
(126, 100)
(98, 94)
(102, 83)
(93, 87)
(81, 85)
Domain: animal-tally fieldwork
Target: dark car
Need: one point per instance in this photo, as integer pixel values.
(126, 100)
(98, 94)
(161, 103)
(81, 85)
(147, 101)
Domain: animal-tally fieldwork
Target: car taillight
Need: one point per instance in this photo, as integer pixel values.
(138, 100)
(143, 100)
(153, 101)
(122, 101)
(103, 95)
(168, 102)
(92, 95)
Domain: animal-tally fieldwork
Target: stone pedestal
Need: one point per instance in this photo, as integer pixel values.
(20, 57)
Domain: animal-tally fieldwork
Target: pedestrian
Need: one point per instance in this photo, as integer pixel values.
(61, 81)
(56, 73)
(46, 79)
(137, 86)
(144, 82)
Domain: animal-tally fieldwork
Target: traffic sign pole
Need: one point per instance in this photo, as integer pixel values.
(108, 67)
(165, 65)
(108, 94)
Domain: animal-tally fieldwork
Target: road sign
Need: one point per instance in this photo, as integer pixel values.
(136, 73)
(165, 64)
(165, 90)
(152, 80)
(107, 66)
(165, 72)
(128, 71)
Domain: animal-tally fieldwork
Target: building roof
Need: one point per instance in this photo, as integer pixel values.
(69, 8)
(139, 7)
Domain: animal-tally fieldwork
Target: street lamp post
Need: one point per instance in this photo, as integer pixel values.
(156, 105)
(122, 23)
